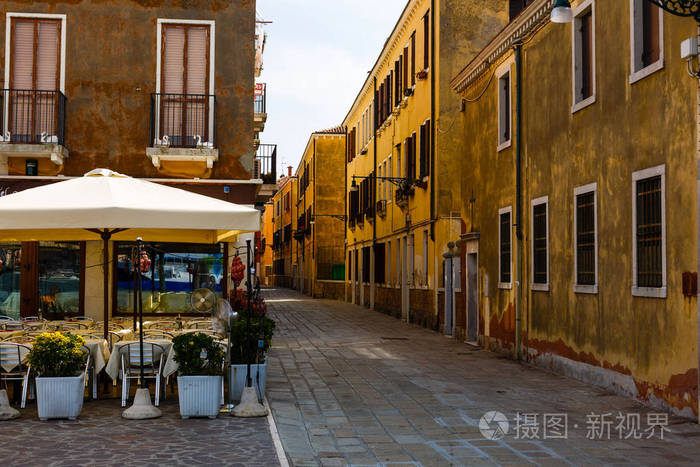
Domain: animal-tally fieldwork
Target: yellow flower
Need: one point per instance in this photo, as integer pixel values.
(191, 342)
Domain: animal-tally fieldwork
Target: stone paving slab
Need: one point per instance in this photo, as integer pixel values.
(101, 437)
(353, 387)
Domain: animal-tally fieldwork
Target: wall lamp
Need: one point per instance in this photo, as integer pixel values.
(340, 217)
(398, 181)
(561, 13)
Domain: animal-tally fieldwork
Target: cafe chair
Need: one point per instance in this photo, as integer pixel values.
(7, 325)
(153, 361)
(32, 319)
(200, 324)
(73, 326)
(90, 372)
(155, 334)
(13, 356)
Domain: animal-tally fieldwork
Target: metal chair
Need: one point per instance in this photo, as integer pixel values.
(155, 334)
(13, 356)
(81, 318)
(161, 324)
(33, 318)
(7, 325)
(90, 372)
(199, 324)
(211, 332)
(153, 361)
(74, 325)
(6, 318)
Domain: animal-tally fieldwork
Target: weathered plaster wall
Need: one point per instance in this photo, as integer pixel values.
(111, 72)
(644, 347)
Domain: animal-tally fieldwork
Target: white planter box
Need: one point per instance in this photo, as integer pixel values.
(258, 374)
(60, 397)
(200, 396)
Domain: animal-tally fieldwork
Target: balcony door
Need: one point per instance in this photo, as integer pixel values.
(32, 100)
(184, 100)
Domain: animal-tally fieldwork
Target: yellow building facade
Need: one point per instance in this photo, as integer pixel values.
(283, 219)
(403, 194)
(320, 226)
(581, 238)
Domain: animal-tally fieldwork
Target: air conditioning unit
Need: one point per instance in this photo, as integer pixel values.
(381, 208)
(256, 169)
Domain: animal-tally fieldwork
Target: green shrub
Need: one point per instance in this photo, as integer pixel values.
(239, 341)
(57, 354)
(198, 354)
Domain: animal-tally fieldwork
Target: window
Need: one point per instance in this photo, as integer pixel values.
(389, 185)
(516, 6)
(410, 157)
(504, 249)
(424, 162)
(405, 69)
(357, 266)
(399, 166)
(540, 244)
(34, 73)
(379, 262)
(413, 59)
(647, 39)
(583, 56)
(586, 239)
(398, 262)
(426, 41)
(388, 263)
(504, 106)
(425, 259)
(365, 264)
(184, 81)
(176, 270)
(649, 220)
(411, 260)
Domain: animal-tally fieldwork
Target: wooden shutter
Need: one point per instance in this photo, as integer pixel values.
(650, 39)
(426, 41)
(173, 59)
(586, 32)
(23, 55)
(47, 55)
(197, 60)
(413, 59)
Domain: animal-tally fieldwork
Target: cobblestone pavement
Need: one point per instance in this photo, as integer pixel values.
(353, 386)
(101, 437)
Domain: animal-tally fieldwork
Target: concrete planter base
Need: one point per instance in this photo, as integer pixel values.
(258, 374)
(60, 397)
(200, 396)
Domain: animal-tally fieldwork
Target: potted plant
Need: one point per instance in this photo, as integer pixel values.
(200, 359)
(59, 361)
(261, 330)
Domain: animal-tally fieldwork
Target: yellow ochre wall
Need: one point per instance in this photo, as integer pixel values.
(642, 347)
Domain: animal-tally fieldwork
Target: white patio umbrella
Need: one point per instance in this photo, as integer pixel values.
(107, 205)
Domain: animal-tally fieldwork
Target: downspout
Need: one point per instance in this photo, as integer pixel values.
(433, 123)
(347, 214)
(373, 271)
(518, 198)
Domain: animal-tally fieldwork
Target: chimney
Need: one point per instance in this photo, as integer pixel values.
(289, 171)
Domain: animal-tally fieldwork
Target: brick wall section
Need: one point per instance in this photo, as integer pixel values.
(421, 308)
(329, 289)
(388, 301)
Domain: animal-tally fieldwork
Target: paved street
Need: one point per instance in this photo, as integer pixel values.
(352, 386)
(101, 437)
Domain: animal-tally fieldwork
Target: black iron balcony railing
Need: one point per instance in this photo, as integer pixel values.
(260, 98)
(266, 163)
(183, 121)
(30, 116)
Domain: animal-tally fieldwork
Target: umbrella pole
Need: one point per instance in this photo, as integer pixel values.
(139, 243)
(106, 234)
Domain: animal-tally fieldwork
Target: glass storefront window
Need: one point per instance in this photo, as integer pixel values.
(59, 279)
(176, 270)
(11, 257)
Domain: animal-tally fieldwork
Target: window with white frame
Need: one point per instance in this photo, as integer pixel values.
(586, 239)
(540, 243)
(504, 106)
(504, 248)
(646, 39)
(583, 57)
(649, 235)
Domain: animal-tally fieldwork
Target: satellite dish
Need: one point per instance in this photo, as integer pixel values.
(203, 300)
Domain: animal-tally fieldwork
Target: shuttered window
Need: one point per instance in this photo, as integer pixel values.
(185, 82)
(424, 156)
(649, 232)
(413, 59)
(585, 239)
(426, 41)
(539, 244)
(504, 250)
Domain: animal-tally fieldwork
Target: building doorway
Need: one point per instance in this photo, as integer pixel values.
(472, 298)
(405, 279)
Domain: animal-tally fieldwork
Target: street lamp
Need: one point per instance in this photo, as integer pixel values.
(561, 13)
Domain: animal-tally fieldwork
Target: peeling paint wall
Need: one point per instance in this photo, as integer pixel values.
(111, 72)
(652, 342)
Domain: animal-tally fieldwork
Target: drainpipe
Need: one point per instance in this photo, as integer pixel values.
(518, 198)
(347, 214)
(433, 123)
(373, 262)
(312, 273)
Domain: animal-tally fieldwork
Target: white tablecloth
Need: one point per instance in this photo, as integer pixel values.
(99, 352)
(114, 364)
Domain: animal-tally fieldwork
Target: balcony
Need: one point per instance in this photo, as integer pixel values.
(183, 129)
(260, 106)
(33, 125)
(265, 168)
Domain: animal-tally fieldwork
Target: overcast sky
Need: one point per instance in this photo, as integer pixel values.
(317, 56)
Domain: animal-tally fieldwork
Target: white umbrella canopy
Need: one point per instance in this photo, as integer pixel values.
(82, 208)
